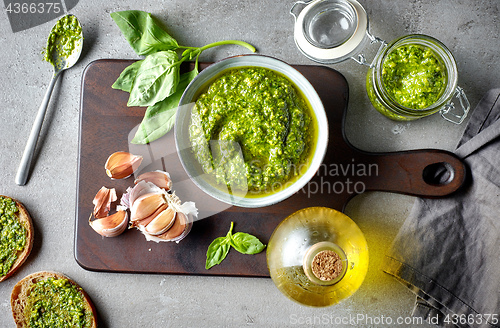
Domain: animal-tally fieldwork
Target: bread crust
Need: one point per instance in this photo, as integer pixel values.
(25, 218)
(20, 294)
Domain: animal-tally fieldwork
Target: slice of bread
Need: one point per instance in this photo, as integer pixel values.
(21, 293)
(25, 219)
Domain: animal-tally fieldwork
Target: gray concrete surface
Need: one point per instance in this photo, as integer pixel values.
(468, 28)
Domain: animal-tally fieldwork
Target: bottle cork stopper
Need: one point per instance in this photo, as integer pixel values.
(327, 265)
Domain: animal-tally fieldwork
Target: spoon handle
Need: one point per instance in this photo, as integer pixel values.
(24, 167)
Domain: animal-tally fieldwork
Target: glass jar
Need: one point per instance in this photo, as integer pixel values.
(331, 31)
(383, 98)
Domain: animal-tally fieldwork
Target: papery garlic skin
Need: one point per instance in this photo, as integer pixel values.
(158, 178)
(141, 188)
(112, 225)
(102, 201)
(121, 164)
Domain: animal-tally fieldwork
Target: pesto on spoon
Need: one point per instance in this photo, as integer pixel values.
(63, 49)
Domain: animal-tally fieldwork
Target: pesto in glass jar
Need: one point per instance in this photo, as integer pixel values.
(414, 76)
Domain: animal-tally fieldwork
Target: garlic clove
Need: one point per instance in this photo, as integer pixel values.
(122, 164)
(177, 229)
(146, 205)
(111, 226)
(187, 228)
(144, 222)
(102, 202)
(159, 178)
(161, 223)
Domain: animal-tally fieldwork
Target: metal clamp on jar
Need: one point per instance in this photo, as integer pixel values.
(410, 78)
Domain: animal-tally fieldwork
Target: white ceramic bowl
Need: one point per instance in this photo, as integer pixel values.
(183, 121)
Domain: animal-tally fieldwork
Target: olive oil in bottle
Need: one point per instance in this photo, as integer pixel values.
(317, 257)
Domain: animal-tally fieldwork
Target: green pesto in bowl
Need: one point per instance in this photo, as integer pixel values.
(252, 130)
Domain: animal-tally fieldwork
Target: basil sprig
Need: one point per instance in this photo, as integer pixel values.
(242, 242)
(155, 82)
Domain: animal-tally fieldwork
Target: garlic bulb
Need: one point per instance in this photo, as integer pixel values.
(141, 188)
(179, 230)
(154, 209)
(161, 223)
(122, 164)
(158, 214)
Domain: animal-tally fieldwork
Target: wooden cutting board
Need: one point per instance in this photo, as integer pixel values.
(106, 123)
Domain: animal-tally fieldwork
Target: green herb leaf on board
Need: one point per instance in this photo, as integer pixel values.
(246, 243)
(126, 79)
(217, 251)
(160, 117)
(242, 242)
(156, 79)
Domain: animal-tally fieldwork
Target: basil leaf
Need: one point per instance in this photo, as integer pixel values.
(157, 121)
(160, 118)
(126, 79)
(217, 251)
(143, 34)
(242, 242)
(246, 243)
(156, 79)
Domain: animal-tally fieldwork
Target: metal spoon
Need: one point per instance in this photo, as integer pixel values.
(60, 63)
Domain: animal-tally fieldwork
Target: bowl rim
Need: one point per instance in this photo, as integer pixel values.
(299, 81)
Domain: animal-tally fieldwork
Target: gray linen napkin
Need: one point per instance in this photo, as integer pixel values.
(448, 249)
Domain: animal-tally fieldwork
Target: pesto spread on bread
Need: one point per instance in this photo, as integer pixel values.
(57, 303)
(13, 234)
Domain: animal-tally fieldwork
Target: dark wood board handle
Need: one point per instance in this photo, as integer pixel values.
(424, 173)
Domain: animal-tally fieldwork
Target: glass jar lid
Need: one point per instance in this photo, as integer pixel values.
(330, 31)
